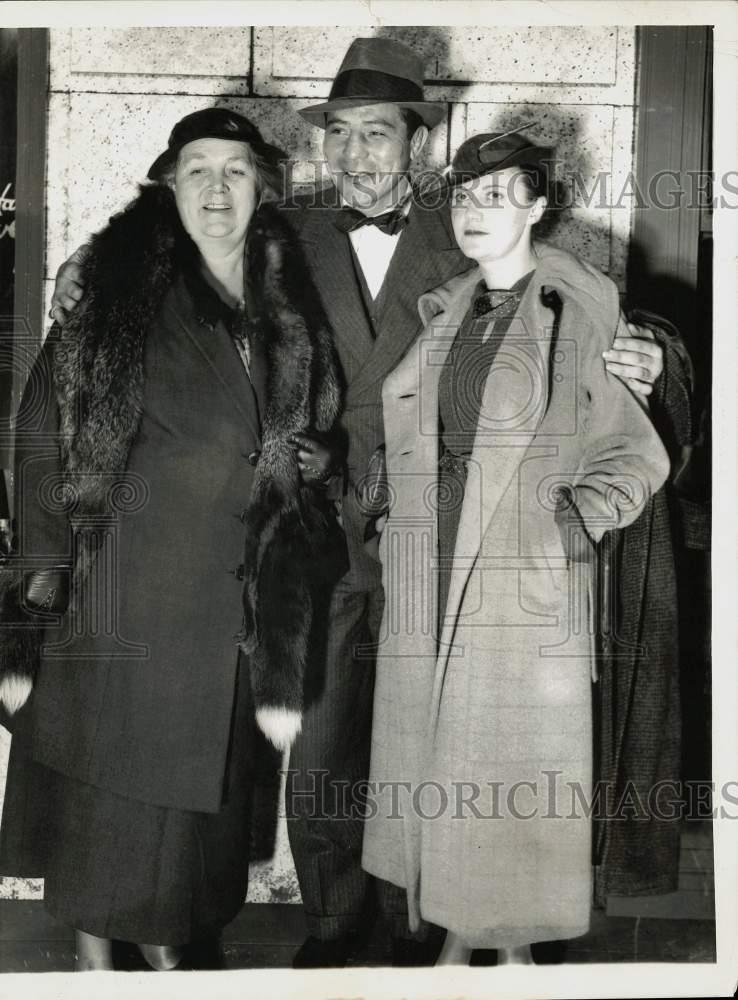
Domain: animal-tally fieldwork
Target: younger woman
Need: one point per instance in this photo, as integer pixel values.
(509, 450)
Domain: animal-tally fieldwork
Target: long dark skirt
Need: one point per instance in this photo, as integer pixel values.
(124, 869)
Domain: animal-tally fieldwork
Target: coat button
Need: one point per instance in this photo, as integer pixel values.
(253, 457)
(239, 572)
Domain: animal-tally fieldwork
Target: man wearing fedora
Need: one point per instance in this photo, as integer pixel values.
(373, 246)
(373, 249)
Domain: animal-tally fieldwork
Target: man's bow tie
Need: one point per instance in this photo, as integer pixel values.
(350, 219)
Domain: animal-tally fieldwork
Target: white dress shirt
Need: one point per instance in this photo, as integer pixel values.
(374, 250)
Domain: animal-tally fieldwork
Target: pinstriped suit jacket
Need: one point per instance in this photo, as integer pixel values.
(426, 256)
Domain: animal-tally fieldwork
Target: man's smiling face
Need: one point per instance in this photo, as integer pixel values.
(368, 152)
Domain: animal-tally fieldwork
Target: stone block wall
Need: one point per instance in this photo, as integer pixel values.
(114, 95)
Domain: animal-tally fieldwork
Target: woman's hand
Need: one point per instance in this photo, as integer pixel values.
(638, 360)
(315, 459)
(69, 286)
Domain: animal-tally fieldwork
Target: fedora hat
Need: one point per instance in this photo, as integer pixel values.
(491, 151)
(377, 71)
(212, 123)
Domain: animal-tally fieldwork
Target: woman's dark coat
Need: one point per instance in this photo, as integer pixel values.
(146, 446)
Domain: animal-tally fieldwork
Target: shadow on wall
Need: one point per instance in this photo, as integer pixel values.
(571, 169)
(431, 43)
(434, 47)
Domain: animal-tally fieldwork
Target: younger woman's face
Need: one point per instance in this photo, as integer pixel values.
(493, 215)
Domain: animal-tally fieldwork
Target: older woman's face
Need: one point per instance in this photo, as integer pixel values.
(492, 215)
(216, 190)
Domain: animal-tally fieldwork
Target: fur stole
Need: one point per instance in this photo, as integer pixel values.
(98, 381)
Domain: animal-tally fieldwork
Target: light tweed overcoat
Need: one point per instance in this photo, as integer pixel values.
(482, 735)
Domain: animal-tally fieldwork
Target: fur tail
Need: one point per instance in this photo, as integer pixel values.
(20, 646)
(281, 726)
(278, 601)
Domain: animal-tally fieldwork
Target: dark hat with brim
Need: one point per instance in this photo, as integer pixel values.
(489, 152)
(377, 71)
(212, 123)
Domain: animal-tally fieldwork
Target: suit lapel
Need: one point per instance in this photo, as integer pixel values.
(426, 256)
(329, 255)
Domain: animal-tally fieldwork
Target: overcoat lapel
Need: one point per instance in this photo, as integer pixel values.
(329, 253)
(496, 457)
(228, 371)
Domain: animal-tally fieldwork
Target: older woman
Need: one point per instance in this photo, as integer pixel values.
(163, 418)
(509, 450)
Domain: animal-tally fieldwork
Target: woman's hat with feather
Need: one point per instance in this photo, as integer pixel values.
(489, 152)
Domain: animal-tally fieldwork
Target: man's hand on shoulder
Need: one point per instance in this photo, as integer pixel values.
(70, 285)
(638, 359)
